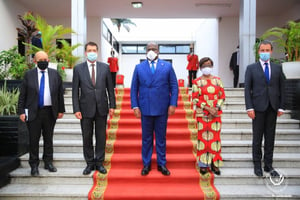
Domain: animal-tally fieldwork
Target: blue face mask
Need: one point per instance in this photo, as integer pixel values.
(265, 56)
(92, 56)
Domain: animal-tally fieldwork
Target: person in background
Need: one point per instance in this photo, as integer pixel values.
(234, 66)
(41, 102)
(208, 96)
(154, 94)
(93, 98)
(114, 66)
(193, 66)
(265, 101)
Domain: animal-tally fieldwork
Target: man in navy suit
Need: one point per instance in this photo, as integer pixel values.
(154, 94)
(264, 96)
(93, 98)
(41, 102)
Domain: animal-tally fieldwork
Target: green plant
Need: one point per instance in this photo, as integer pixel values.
(8, 100)
(61, 70)
(65, 55)
(12, 64)
(287, 37)
(122, 22)
(49, 35)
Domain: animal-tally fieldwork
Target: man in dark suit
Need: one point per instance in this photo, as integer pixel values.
(264, 96)
(93, 97)
(154, 94)
(234, 66)
(41, 102)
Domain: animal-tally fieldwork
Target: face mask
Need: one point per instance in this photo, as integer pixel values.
(264, 56)
(151, 55)
(206, 70)
(42, 65)
(92, 56)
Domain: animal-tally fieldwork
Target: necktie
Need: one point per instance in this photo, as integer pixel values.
(267, 72)
(42, 87)
(152, 67)
(93, 75)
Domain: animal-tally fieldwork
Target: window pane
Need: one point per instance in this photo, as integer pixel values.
(166, 49)
(142, 49)
(129, 49)
(183, 49)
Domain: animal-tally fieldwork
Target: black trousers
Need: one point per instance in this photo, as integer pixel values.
(264, 126)
(42, 125)
(87, 127)
(236, 72)
(192, 76)
(113, 77)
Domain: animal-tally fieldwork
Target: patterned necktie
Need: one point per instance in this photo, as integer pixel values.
(152, 67)
(42, 88)
(93, 75)
(267, 72)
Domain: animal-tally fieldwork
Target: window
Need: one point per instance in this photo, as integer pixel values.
(163, 48)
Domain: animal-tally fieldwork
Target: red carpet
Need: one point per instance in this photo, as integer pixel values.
(124, 162)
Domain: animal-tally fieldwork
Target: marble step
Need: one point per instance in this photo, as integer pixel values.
(130, 146)
(227, 123)
(73, 176)
(235, 160)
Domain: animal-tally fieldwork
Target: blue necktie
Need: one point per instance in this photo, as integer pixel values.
(267, 72)
(42, 87)
(152, 67)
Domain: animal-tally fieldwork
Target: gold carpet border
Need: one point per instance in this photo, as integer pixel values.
(100, 180)
(204, 180)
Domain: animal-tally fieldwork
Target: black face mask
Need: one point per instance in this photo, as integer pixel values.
(42, 65)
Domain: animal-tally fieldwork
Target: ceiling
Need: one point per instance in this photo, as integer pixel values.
(157, 8)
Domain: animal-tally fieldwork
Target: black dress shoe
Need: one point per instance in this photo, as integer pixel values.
(272, 171)
(215, 170)
(50, 167)
(34, 171)
(164, 170)
(101, 169)
(258, 171)
(145, 170)
(88, 169)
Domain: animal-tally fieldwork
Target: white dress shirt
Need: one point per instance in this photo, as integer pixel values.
(90, 69)
(47, 94)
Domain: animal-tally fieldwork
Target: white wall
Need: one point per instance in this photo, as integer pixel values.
(9, 22)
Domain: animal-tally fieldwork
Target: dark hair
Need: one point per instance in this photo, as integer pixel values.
(264, 42)
(205, 59)
(90, 44)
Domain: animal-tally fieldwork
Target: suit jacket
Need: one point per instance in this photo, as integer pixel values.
(233, 61)
(193, 62)
(86, 97)
(259, 94)
(154, 93)
(29, 93)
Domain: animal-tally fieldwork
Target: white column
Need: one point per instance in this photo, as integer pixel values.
(247, 35)
(79, 25)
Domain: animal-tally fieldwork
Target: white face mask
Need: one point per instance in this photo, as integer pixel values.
(206, 70)
(151, 55)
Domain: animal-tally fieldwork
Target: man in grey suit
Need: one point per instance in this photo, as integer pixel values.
(93, 98)
(41, 102)
(264, 96)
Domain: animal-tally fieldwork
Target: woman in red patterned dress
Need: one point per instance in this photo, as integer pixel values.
(208, 97)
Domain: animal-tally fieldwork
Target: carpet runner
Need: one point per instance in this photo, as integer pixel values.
(124, 162)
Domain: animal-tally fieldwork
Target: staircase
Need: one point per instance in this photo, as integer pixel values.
(236, 182)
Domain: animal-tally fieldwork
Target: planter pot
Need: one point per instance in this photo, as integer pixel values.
(291, 69)
(69, 75)
(14, 137)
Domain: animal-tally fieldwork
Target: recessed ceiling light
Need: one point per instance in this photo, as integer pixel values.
(137, 4)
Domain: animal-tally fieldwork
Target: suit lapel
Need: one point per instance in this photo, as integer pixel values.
(35, 77)
(98, 71)
(86, 73)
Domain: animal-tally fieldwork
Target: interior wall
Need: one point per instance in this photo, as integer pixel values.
(9, 19)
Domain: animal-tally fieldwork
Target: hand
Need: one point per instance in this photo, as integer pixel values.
(251, 114)
(171, 110)
(111, 112)
(279, 113)
(60, 115)
(212, 110)
(23, 117)
(78, 115)
(137, 112)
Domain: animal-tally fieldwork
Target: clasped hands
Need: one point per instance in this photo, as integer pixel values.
(213, 112)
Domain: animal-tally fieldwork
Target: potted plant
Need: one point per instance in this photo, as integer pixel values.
(288, 38)
(13, 132)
